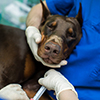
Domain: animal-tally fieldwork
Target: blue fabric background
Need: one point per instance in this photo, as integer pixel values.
(83, 69)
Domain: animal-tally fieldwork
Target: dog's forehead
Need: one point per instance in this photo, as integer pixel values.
(72, 20)
(56, 18)
(63, 20)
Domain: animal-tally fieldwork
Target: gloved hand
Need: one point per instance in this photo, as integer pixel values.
(33, 38)
(54, 80)
(13, 92)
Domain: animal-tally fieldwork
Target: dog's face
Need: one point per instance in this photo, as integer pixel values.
(59, 37)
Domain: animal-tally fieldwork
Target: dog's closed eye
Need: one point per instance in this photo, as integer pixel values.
(70, 32)
(52, 25)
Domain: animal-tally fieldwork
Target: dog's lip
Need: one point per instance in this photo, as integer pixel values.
(48, 59)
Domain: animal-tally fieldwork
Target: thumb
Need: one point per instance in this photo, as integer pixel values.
(37, 37)
(41, 81)
(44, 82)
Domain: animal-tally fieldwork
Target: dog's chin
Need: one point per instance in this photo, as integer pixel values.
(49, 61)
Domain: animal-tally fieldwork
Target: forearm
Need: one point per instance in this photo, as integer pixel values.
(31, 21)
(54, 80)
(67, 95)
(35, 15)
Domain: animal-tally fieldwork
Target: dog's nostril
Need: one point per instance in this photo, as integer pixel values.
(56, 52)
(47, 48)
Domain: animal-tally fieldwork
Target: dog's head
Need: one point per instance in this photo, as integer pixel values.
(60, 35)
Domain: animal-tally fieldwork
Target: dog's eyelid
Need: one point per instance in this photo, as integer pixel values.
(70, 32)
(52, 25)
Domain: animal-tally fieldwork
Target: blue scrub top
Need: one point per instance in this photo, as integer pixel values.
(83, 68)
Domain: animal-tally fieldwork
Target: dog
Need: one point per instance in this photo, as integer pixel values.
(60, 35)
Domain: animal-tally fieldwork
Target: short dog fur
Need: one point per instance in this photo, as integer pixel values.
(60, 35)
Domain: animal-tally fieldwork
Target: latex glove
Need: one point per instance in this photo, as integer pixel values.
(13, 92)
(33, 38)
(54, 80)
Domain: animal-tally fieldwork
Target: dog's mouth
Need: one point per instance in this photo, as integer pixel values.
(49, 59)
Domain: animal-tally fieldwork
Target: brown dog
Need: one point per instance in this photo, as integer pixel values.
(17, 65)
(60, 35)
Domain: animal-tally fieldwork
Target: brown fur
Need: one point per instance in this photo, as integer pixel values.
(17, 64)
(60, 35)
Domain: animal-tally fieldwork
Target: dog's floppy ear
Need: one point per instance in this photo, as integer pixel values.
(45, 12)
(79, 15)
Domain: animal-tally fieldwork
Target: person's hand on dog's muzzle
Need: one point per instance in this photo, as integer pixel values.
(54, 80)
(13, 92)
(33, 38)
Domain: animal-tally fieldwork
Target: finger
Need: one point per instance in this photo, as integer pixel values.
(40, 81)
(49, 72)
(14, 85)
(38, 40)
(44, 82)
(63, 62)
(37, 37)
(51, 65)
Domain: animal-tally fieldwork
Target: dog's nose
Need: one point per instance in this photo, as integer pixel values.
(52, 49)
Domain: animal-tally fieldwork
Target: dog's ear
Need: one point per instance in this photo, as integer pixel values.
(79, 15)
(45, 13)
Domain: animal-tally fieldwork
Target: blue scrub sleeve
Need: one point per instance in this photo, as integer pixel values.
(61, 7)
(83, 68)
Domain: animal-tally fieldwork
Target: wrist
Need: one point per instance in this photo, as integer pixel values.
(64, 85)
(67, 95)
